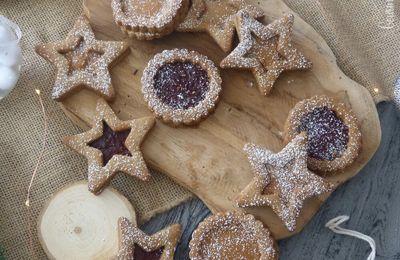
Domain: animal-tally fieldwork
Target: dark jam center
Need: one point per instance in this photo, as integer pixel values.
(140, 254)
(327, 134)
(111, 143)
(181, 84)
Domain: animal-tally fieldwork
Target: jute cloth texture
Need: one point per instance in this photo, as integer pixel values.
(22, 129)
(365, 51)
(365, 37)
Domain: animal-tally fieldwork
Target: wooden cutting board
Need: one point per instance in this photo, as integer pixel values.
(208, 159)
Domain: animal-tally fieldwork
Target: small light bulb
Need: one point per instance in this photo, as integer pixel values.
(376, 90)
(37, 91)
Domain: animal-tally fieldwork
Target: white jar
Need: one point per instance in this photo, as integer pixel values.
(10, 55)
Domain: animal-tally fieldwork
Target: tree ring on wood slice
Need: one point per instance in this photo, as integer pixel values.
(181, 87)
(75, 224)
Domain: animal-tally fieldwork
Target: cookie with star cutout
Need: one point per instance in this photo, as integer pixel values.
(82, 61)
(112, 146)
(265, 50)
(282, 180)
(135, 244)
(216, 17)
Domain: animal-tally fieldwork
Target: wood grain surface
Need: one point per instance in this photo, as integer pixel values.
(371, 200)
(76, 224)
(208, 159)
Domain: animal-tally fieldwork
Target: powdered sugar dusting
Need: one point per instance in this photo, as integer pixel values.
(334, 135)
(216, 17)
(181, 84)
(282, 180)
(145, 19)
(266, 50)
(231, 235)
(99, 172)
(327, 134)
(82, 60)
(131, 236)
(173, 114)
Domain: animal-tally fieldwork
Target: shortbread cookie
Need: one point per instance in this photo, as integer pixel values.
(135, 244)
(334, 138)
(232, 235)
(216, 17)
(146, 20)
(181, 86)
(282, 181)
(112, 146)
(266, 50)
(82, 61)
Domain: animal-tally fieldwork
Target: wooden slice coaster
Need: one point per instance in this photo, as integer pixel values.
(75, 224)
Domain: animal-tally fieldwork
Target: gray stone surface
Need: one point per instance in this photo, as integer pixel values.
(371, 199)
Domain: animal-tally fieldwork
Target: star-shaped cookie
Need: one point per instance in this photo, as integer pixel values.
(266, 50)
(216, 17)
(82, 61)
(282, 181)
(112, 146)
(135, 244)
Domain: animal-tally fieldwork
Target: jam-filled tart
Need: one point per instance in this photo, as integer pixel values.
(181, 87)
(334, 138)
(232, 235)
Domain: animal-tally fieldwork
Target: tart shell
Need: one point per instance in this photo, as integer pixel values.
(345, 115)
(178, 116)
(144, 27)
(242, 224)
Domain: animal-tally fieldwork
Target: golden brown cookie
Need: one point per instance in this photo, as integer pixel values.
(216, 17)
(146, 20)
(82, 61)
(266, 50)
(112, 146)
(181, 87)
(232, 235)
(282, 180)
(334, 138)
(135, 244)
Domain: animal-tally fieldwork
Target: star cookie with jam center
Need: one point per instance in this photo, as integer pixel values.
(112, 146)
(282, 181)
(266, 50)
(135, 244)
(216, 17)
(82, 61)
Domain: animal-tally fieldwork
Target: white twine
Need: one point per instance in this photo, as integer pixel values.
(333, 225)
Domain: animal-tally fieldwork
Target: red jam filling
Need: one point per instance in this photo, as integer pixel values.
(140, 254)
(327, 134)
(111, 143)
(181, 85)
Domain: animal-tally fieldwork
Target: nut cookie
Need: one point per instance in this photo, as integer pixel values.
(334, 138)
(181, 87)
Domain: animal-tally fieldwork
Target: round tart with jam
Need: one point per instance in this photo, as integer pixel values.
(334, 138)
(181, 87)
(232, 235)
(146, 20)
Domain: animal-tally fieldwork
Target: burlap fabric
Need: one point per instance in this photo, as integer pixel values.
(365, 51)
(365, 37)
(22, 128)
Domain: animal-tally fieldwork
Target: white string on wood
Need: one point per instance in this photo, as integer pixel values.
(333, 225)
